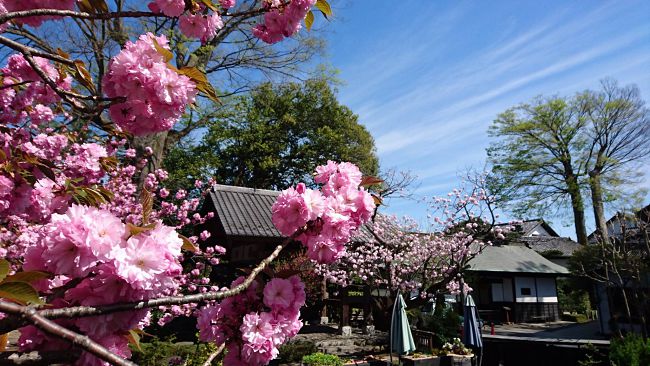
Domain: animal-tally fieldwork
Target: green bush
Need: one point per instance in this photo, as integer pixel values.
(322, 359)
(295, 351)
(630, 351)
(572, 297)
(577, 318)
(157, 352)
(445, 323)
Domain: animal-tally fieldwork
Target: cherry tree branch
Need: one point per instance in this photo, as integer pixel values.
(214, 355)
(95, 16)
(83, 311)
(65, 95)
(33, 51)
(32, 316)
(75, 14)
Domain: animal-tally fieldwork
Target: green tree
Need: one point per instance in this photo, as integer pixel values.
(536, 163)
(557, 150)
(619, 141)
(273, 137)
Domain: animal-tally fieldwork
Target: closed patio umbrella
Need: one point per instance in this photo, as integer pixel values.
(401, 339)
(471, 328)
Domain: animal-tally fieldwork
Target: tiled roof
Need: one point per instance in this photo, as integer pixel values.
(528, 227)
(513, 259)
(547, 243)
(245, 211)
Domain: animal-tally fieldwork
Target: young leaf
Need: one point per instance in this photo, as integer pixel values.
(100, 6)
(27, 277)
(83, 75)
(20, 292)
(135, 230)
(187, 244)
(3, 342)
(62, 53)
(166, 54)
(92, 6)
(4, 268)
(325, 8)
(210, 5)
(134, 339)
(309, 20)
(368, 181)
(377, 199)
(201, 81)
(147, 205)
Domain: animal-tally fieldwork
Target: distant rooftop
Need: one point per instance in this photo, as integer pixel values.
(541, 244)
(529, 227)
(513, 259)
(245, 211)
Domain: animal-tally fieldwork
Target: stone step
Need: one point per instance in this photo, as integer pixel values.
(350, 350)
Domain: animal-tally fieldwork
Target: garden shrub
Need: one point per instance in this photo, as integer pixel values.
(159, 352)
(577, 318)
(445, 323)
(295, 351)
(632, 350)
(322, 359)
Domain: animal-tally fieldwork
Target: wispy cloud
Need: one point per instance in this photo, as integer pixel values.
(429, 87)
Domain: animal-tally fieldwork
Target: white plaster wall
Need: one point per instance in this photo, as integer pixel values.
(546, 291)
(523, 282)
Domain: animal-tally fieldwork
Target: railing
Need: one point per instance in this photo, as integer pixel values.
(423, 340)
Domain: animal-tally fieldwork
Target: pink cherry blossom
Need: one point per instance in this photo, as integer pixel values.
(203, 27)
(36, 21)
(171, 8)
(156, 96)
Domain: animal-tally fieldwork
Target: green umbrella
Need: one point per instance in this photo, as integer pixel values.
(401, 339)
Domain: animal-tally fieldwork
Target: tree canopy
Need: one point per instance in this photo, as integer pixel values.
(272, 137)
(555, 151)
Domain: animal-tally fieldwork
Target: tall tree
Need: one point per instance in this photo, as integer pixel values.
(535, 161)
(233, 59)
(619, 134)
(272, 137)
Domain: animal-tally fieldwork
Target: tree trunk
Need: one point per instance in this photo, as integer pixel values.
(156, 142)
(597, 204)
(577, 205)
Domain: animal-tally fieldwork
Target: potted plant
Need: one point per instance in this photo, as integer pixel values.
(456, 353)
(420, 359)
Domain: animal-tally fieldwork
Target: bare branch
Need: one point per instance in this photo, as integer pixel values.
(32, 316)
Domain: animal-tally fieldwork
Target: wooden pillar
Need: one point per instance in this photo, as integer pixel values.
(324, 296)
(345, 314)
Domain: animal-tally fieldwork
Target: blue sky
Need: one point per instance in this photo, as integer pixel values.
(428, 77)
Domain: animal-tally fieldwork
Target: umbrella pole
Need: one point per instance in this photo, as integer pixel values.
(392, 323)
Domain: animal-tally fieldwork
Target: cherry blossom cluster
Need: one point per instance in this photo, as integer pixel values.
(47, 164)
(260, 325)
(24, 96)
(328, 217)
(282, 20)
(195, 23)
(156, 96)
(392, 253)
(35, 21)
(114, 265)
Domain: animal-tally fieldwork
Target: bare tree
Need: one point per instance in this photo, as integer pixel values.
(619, 135)
(621, 264)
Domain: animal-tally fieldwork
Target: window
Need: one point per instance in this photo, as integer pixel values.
(526, 291)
